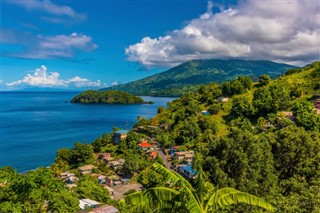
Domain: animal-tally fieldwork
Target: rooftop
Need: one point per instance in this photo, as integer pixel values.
(105, 209)
(86, 167)
(153, 153)
(144, 144)
(189, 169)
(83, 203)
(122, 132)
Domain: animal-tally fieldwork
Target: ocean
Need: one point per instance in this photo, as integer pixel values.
(34, 125)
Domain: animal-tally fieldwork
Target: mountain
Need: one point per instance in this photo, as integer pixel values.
(184, 77)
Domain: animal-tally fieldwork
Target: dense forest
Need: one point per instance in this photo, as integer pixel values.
(189, 75)
(256, 138)
(265, 140)
(107, 97)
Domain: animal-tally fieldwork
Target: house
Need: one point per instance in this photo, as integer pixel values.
(205, 112)
(69, 178)
(288, 115)
(316, 103)
(119, 136)
(116, 164)
(223, 99)
(117, 183)
(111, 190)
(72, 180)
(186, 157)
(105, 157)
(153, 154)
(164, 126)
(173, 149)
(102, 179)
(109, 180)
(70, 186)
(145, 146)
(105, 209)
(87, 169)
(187, 171)
(125, 180)
(316, 111)
(64, 175)
(87, 203)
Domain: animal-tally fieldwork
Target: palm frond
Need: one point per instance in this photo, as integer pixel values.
(173, 176)
(228, 196)
(153, 198)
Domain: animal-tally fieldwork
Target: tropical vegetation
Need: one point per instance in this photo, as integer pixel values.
(107, 97)
(181, 196)
(257, 143)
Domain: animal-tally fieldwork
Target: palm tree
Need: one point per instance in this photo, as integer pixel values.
(181, 196)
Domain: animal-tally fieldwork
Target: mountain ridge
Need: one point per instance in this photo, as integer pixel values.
(186, 76)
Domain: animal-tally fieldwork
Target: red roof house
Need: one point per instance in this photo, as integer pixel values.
(153, 154)
(144, 145)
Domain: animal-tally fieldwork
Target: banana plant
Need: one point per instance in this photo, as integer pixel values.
(181, 196)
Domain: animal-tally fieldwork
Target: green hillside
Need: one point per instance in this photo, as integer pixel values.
(182, 78)
(264, 140)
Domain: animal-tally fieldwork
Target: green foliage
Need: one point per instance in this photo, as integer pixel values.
(88, 187)
(101, 142)
(248, 143)
(242, 106)
(183, 197)
(80, 154)
(264, 79)
(262, 101)
(107, 97)
(134, 163)
(28, 193)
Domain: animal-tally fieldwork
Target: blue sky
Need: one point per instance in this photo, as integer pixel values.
(92, 44)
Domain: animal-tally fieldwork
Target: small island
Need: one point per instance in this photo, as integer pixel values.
(107, 97)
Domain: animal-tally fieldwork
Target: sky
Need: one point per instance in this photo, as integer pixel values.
(81, 44)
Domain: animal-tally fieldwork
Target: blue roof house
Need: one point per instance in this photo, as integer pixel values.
(187, 171)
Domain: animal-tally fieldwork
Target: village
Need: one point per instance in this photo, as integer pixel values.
(174, 158)
(118, 184)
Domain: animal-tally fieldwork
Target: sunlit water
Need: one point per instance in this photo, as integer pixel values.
(34, 125)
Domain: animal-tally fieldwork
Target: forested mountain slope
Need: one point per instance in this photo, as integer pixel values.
(182, 78)
(264, 140)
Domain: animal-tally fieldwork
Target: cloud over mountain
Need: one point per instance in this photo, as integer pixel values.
(283, 31)
(41, 78)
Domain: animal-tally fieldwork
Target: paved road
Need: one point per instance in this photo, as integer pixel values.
(160, 153)
(163, 157)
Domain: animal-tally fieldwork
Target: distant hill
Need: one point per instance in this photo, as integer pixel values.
(184, 77)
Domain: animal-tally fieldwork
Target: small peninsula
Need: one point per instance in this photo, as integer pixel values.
(107, 97)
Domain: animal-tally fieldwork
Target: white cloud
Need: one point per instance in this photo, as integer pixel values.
(46, 47)
(115, 83)
(41, 78)
(268, 30)
(50, 8)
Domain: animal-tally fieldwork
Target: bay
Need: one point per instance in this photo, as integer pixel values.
(34, 125)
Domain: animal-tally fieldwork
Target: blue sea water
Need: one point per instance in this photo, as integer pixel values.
(34, 125)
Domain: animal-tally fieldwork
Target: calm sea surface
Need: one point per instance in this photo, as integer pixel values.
(34, 125)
